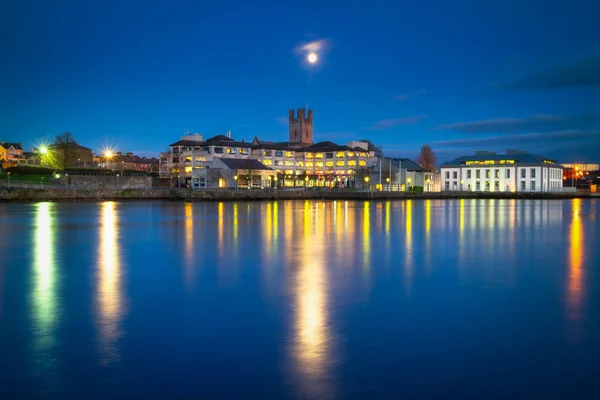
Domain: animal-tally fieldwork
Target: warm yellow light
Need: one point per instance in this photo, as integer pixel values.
(387, 179)
(312, 58)
(366, 179)
(43, 149)
(108, 154)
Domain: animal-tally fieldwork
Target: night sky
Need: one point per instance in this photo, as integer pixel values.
(460, 75)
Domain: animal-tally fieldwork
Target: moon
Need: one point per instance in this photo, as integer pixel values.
(312, 58)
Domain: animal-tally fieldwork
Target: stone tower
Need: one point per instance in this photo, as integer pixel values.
(301, 128)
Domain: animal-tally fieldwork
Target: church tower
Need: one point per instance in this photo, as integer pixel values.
(301, 128)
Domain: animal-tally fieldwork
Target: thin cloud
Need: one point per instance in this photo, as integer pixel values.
(517, 140)
(319, 46)
(391, 123)
(577, 74)
(400, 97)
(282, 120)
(533, 123)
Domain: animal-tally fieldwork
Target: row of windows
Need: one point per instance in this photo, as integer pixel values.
(488, 173)
(487, 185)
(289, 154)
(318, 164)
(214, 149)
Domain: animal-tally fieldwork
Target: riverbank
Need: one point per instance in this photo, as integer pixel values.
(51, 194)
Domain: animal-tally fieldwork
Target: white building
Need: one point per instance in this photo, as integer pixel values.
(515, 171)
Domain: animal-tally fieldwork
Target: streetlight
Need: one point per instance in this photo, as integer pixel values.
(235, 178)
(461, 185)
(118, 180)
(428, 184)
(409, 181)
(8, 177)
(366, 180)
(67, 181)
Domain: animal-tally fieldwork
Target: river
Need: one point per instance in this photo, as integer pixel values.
(300, 299)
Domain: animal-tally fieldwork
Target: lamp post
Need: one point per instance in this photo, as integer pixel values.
(67, 181)
(366, 180)
(275, 179)
(461, 185)
(306, 180)
(118, 180)
(387, 180)
(8, 177)
(235, 178)
(428, 184)
(408, 180)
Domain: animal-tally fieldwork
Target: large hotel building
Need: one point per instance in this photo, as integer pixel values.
(296, 162)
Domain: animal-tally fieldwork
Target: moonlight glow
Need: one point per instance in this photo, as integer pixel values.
(312, 58)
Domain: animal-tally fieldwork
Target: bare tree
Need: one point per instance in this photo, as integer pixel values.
(62, 152)
(427, 158)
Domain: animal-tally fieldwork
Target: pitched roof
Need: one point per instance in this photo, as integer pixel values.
(406, 164)
(237, 163)
(72, 145)
(7, 145)
(520, 158)
(219, 140)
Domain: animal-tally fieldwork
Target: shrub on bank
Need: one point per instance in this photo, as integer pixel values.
(29, 170)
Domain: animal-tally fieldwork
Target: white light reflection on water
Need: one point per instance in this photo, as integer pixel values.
(45, 309)
(109, 296)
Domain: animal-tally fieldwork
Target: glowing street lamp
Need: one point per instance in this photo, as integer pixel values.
(235, 178)
(43, 150)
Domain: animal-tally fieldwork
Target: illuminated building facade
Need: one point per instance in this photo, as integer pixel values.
(297, 162)
(515, 171)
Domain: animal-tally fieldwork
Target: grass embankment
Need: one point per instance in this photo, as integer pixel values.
(31, 179)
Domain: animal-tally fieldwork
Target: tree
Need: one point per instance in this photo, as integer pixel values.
(427, 159)
(61, 153)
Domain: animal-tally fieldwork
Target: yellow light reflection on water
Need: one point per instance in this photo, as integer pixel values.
(310, 349)
(220, 228)
(366, 235)
(109, 285)
(575, 289)
(44, 295)
(189, 244)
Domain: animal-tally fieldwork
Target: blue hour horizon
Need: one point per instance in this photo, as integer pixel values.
(461, 78)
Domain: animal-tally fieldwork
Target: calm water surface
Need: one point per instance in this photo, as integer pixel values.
(415, 299)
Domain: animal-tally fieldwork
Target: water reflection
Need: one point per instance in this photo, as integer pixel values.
(189, 245)
(110, 302)
(45, 310)
(311, 348)
(575, 288)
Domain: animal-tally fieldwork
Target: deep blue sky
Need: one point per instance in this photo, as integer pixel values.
(461, 75)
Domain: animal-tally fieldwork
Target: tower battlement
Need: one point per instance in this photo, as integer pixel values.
(301, 131)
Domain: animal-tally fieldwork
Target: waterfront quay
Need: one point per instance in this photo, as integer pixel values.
(52, 194)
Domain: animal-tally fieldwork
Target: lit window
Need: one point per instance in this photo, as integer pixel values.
(309, 163)
(340, 154)
(319, 155)
(200, 158)
(309, 155)
(187, 170)
(350, 172)
(288, 163)
(478, 173)
(497, 174)
(289, 172)
(363, 154)
(188, 159)
(278, 162)
(340, 163)
(329, 171)
(289, 154)
(352, 163)
(267, 162)
(340, 172)
(350, 154)
(267, 153)
(329, 163)
(362, 163)
(319, 164)
(300, 163)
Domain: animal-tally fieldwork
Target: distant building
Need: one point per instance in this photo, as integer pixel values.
(78, 156)
(297, 161)
(234, 173)
(10, 154)
(396, 174)
(583, 167)
(129, 162)
(515, 171)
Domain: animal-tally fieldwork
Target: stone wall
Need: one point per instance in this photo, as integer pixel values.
(94, 182)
